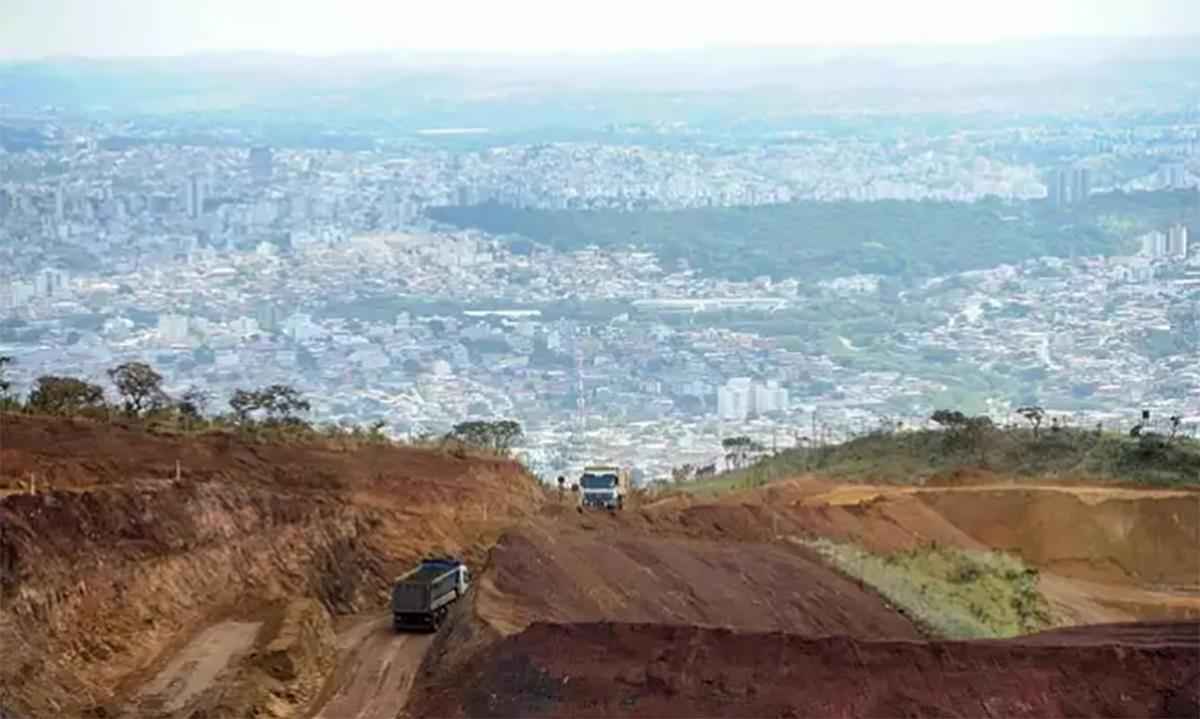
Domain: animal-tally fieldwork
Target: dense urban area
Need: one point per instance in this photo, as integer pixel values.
(749, 382)
(639, 297)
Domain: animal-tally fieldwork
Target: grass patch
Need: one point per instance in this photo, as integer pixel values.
(913, 457)
(953, 593)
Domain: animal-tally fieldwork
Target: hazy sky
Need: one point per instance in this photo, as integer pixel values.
(36, 28)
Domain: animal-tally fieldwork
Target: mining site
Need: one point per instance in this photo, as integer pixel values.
(153, 575)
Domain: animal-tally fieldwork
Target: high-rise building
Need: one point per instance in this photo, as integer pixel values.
(1058, 188)
(268, 316)
(51, 282)
(1081, 184)
(60, 203)
(194, 196)
(741, 398)
(261, 163)
(1154, 244)
(1177, 241)
(1173, 176)
(1069, 186)
(735, 398)
(770, 398)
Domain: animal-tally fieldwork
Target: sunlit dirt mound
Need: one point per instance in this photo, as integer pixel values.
(556, 572)
(1117, 537)
(1106, 553)
(637, 670)
(114, 562)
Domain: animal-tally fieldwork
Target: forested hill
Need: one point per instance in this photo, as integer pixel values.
(817, 240)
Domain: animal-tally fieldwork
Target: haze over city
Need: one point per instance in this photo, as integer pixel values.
(34, 29)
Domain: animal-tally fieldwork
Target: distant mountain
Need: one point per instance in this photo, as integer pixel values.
(1027, 74)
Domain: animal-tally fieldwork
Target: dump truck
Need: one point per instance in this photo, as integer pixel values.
(603, 486)
(422, 597)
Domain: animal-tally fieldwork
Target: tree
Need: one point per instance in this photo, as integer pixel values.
(243, 402)
(738, 450)
(968, 432)
(506, 434)
(498, 436)
(282, 402)
(1176, 423)
(140, 385)
(1035, 416)
(950, 419)
(682, 473)
(193, 403)
(5, 385)
(64, 395)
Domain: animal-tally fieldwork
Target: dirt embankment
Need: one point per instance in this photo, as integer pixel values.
(553, 571)
(630, 670)
(1106, 554)
(115, 566)
(691, 607)
(1144, 540)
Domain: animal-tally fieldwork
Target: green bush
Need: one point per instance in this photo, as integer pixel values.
(952, 593)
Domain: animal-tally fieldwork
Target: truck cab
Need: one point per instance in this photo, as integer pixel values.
(603, 487)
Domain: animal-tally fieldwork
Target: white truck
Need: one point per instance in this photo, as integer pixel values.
(603, 486)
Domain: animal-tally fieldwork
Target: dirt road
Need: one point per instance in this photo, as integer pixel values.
(376, 668)
(195, 669)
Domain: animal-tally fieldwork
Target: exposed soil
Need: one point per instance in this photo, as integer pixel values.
(552, 571)
(692, 607)
(161, 576)
(115, 566)
(375, 672)
(1106, 554)
(193, 671)
(632, 670)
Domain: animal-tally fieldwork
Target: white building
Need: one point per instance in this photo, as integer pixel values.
(244, 326)
(301, 327)
(735, 399)
(741, 398)
(770, 398)
(16, 294)
(1154, 244)
(173, 329)
(193, 195)
(51, 283)
(1177, 241)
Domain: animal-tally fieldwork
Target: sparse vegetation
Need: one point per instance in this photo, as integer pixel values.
(145, 401)
(140, 386)
(912, 457)
(276, 405)
(66, 395)
(268, 415)
(498, 436)
(954, 593)
(7, 401)
(740, 450)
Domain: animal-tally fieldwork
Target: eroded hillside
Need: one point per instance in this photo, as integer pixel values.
(132, 546)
